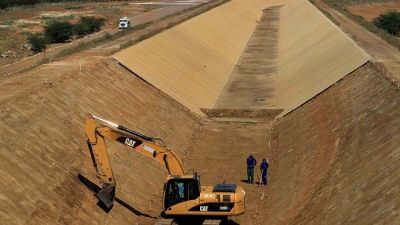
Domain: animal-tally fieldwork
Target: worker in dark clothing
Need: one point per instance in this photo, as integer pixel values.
(251, 163)
(264, 170)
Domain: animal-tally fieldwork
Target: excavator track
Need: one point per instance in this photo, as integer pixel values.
(171, 221)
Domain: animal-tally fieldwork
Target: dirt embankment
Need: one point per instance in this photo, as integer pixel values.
(337, 158)
(371, 11)
(44, 150)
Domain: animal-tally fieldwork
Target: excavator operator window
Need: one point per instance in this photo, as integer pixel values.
(180, 190)
(193, 190)
(174, 193)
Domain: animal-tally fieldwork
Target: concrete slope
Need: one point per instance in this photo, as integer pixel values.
(43, 147)
(313, 54)
(192, 61)
(252, 82)
(337, 158)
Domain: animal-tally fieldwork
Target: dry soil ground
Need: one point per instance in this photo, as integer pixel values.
(371, 11)
(17, 24)
(380, 50)
(335, 160)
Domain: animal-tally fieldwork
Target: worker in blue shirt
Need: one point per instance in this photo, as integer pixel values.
(264, 170)
(251, 163)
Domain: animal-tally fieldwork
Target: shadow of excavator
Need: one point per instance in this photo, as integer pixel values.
(96, 189)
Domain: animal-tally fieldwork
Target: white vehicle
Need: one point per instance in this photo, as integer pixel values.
(123, 23)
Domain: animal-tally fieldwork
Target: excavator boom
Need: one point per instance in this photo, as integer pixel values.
(148, 146)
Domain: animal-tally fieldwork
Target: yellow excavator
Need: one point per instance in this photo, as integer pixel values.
(183, 195)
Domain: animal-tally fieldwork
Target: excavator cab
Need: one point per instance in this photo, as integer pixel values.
(179, 189)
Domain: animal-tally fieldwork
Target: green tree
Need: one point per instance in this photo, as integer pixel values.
(59, 31)
(389, 21)
(81, 29)
(3, 5)
(93, 24)
(38, 42)
(9, 3)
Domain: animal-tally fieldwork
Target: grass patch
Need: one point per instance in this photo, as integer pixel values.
(13, 44)
(62, 17)
(25, 32)
(69, 17)
(73, 7)
(358, 2)
(126, 44)
(107, 9)
(8, 22)
(80, 47)
(25, 25)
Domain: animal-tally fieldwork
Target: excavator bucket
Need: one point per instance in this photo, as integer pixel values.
(107, 195)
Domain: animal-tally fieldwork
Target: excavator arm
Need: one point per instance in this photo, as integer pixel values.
(148, 146)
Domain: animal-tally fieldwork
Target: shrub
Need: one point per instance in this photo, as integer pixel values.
(389, 21)
(38, 42)
(23, 25)
(81, 29)
(59, 31)
(91, 23)
(69, 17)
(3, 5)
(7, 22)
(72, 7)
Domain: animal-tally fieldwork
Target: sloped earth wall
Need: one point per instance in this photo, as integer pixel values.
(43, 148)
(337, 157)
